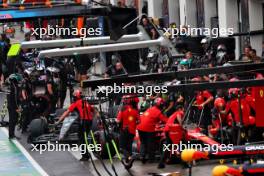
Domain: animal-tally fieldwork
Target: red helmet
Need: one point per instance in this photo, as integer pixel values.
(233, 79)
(159, 102)
(252, 120)
(219, 102)
(259, 76)
(233, 91)
(127, 99)
(77, 94)
(197, 79)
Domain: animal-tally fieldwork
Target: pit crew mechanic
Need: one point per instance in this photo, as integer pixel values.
(128, 117)
(146, 129)
(86, 113)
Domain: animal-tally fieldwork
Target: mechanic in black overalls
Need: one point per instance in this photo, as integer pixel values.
(26, 95)
(52, 89)
(13, 103)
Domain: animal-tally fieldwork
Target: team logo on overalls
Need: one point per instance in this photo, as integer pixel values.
(130, 118)
(261, 93)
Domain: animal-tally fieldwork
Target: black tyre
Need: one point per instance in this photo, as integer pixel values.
(37, 127)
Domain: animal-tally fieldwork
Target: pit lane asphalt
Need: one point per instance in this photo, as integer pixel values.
(67, 164)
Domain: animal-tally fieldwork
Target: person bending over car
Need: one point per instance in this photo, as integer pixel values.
(146, 129)
(175, 118)
(86, 113)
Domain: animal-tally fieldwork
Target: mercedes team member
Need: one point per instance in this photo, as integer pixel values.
(128, 117)
(52, 88)
(86, 113)
(1, 76)
(146, 129)
(13, 103)
(25, 102)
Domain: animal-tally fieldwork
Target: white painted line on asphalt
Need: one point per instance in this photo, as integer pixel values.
(26, 154)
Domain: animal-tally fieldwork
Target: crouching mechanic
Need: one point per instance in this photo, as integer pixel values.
(146, 129)
(86, 113)
(175, 118)
(128, 117)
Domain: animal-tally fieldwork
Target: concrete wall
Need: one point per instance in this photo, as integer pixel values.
(228, 18)
(155, 8)
(256, 23)
(228, 14)
(188, 13)
(174, 11)
(209, 11)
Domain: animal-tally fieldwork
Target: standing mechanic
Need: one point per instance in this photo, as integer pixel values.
(86, 112)
(146, 129)
(128, 117)
(52, 88)
(203, 101)
(13, 103)
(25, 102)
(240, 111)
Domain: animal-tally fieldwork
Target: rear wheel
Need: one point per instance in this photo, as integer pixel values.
(37, 127)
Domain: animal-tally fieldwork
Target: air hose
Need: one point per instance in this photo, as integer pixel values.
(106, 133)
(86, 141)
(98, 157)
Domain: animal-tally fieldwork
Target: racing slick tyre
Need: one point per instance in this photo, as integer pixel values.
(100, 139)
(37, 127)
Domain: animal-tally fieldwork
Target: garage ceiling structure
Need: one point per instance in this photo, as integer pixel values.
(57, 11)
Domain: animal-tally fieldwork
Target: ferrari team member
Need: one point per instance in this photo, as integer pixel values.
(203, 101)
(226, 120)
(240, 111)
(251, 94)
(128, 117)
(146, 128)
(86, 113)
(175, 118)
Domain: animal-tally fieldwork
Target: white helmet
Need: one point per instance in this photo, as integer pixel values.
(204, 41)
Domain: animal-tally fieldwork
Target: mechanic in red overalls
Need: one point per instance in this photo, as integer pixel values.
(86, 113)
(175, 118)
(238, 112)
(226, 120)
(146, 129)
(128, 117)
(251, 94)
(203, 102)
